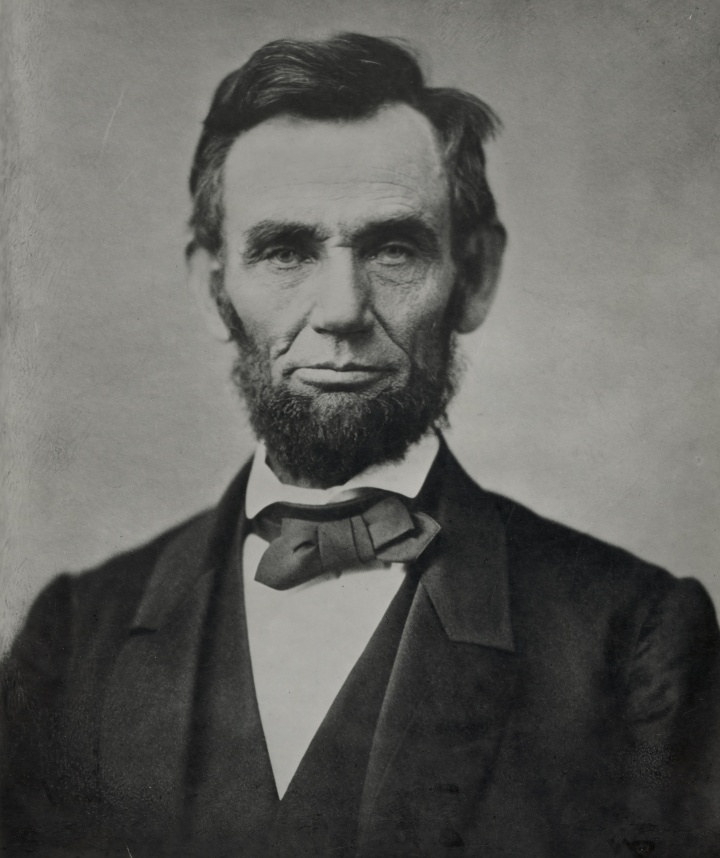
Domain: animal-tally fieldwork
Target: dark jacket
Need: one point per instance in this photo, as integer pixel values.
(550, 696)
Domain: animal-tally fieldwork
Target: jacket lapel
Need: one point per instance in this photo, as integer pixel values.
(452, 682)
(150, 695)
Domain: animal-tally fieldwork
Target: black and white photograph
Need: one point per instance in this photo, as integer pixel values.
(360, 384)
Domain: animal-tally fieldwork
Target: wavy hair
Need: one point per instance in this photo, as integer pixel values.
(348, 76)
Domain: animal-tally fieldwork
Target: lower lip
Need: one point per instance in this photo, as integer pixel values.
(325, 377)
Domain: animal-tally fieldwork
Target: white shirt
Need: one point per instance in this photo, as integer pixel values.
(305, 641)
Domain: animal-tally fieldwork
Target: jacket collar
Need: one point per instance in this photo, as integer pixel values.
(465, 571)
(201, 548)
(183, 660)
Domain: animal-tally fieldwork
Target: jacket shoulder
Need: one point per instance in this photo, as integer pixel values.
(552, 548)
(125, 575)
(551, 565)
(557, 567)
(88, 608)
(99, 602)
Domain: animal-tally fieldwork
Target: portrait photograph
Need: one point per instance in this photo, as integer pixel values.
(360, 394)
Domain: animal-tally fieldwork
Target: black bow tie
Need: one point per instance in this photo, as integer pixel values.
(308, 541)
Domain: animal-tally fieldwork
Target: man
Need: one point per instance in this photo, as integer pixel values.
(360, 651)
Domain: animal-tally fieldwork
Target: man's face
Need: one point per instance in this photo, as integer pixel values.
(337, 261)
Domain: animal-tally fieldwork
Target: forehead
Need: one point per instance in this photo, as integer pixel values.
(338, 174)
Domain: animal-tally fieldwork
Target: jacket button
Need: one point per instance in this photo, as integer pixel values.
(641, 848)
(449, 837)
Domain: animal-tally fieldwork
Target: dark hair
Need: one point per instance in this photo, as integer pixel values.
(348, 76)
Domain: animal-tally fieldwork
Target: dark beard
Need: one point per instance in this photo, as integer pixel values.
(327, 438)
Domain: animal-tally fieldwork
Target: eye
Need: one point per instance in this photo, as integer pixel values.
(394, 253)
(285, 257)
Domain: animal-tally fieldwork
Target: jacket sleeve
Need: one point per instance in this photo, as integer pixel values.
(673, 719)
(33, 677)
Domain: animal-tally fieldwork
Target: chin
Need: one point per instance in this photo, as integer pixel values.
(328, 436)
(340, 400)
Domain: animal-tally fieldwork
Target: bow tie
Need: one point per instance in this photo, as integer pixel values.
(309, 541)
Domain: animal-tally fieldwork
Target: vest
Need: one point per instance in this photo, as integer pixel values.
(232, 803)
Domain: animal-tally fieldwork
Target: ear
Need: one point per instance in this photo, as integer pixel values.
(479, 273)
(202, 268)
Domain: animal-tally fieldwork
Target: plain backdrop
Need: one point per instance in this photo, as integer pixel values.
(591, 394)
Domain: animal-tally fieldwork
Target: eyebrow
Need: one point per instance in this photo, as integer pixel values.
(267, 232)
(411, 227)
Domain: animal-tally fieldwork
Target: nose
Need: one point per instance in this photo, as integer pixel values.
(340, 295)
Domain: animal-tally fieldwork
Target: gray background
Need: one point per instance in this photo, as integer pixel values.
(591, 393)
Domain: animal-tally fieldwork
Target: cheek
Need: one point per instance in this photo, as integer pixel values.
(267, 314)
(414, 310)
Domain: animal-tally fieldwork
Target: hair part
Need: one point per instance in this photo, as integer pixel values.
(347, 77)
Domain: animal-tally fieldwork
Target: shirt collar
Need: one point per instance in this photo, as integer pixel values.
(405, 477)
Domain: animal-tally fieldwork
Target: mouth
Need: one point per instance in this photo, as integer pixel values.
(339, 376)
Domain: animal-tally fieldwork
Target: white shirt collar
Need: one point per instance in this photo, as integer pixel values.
(405, 477)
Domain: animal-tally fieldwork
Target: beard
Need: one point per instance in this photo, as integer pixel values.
(326, 438)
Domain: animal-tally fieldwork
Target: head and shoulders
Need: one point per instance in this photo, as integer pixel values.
(344, 236)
